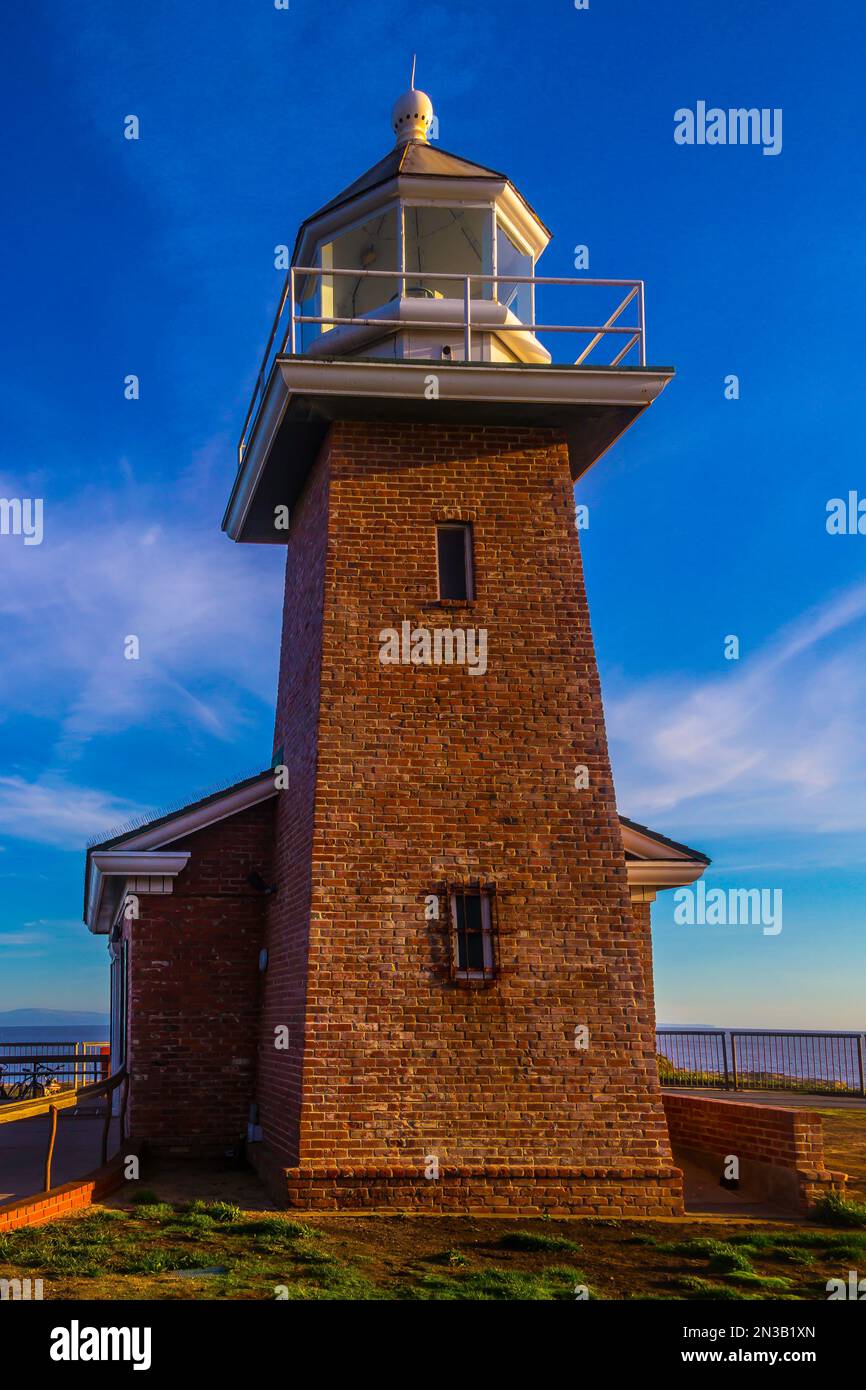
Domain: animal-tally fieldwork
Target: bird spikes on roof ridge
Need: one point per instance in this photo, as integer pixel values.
(147, 818)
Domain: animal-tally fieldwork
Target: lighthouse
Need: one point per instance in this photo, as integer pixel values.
(453, 954)
(407, 964)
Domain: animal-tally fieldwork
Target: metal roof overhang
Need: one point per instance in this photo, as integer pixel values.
(590, 406)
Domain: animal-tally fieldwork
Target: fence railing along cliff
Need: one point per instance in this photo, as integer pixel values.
(763, 1059)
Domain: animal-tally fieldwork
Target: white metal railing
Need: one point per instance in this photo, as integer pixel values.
(279, 343)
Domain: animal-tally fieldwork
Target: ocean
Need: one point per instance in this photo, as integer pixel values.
(770, 1058)
(40, 1034)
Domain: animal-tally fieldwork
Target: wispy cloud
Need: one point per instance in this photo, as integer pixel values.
(54, 812)
(204, 613)
(775, 742)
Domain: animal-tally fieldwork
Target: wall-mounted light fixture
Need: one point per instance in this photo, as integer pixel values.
(256, 881)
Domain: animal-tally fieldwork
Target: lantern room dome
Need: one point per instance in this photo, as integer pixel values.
(412, 117)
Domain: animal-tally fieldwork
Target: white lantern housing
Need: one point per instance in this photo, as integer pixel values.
(394, 265)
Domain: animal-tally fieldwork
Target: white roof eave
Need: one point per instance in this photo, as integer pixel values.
(142, 854)
(110, 869)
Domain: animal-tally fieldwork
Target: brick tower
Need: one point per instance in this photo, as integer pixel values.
(455, 1005)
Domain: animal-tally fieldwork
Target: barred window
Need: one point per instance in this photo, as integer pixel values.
(473, 934)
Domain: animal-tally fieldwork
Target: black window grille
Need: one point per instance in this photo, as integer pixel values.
(472, 933)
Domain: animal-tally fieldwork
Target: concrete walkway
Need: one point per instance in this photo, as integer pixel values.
(77, 1151)
(787, 1100)
(704, 1195)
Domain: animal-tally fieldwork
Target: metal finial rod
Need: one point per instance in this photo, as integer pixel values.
(412, 78)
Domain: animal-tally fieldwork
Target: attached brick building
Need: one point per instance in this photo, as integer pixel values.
(411, 962)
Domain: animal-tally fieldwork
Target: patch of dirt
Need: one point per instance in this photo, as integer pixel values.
(845, 1147)
(184, 1181)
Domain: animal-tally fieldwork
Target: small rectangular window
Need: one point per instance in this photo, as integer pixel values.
(473, 934)
(454, 558)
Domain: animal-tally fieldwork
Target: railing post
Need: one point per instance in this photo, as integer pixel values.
(109, 1106)
(123, 1108)
(641, 316)
(292, 325)
(467, 311)
(52, 1135)
(860, 1064)
(725, 1059)
(734, 1059)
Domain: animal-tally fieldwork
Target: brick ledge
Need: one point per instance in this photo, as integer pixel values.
(501, 1189)
(414, 1172)
(69, 1197)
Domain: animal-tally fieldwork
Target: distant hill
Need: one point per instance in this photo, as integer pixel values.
(51, 1018)
(691, 1027)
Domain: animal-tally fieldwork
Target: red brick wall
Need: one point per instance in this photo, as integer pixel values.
(788, 1139)
(194, 990)
(641, 912)
(288, 921)
(424, 774)
(532, 1191)
(64, 1200)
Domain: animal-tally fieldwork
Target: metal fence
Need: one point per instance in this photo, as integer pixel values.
(762, 1059)
(32, 1069)
(618, 328)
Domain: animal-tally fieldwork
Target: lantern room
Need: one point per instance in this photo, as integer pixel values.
(423, 244)
(427, 264)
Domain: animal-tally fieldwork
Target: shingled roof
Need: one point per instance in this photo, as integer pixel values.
(681, 850)
(419, 160)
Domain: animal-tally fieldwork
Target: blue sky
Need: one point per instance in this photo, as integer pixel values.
(155, 257)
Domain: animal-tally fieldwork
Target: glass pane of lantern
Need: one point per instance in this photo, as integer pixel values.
(512, 261)
(370, 246)
(307, 293)
(452, 241)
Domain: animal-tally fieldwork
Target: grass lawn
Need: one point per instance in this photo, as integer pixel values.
(214, 1250)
